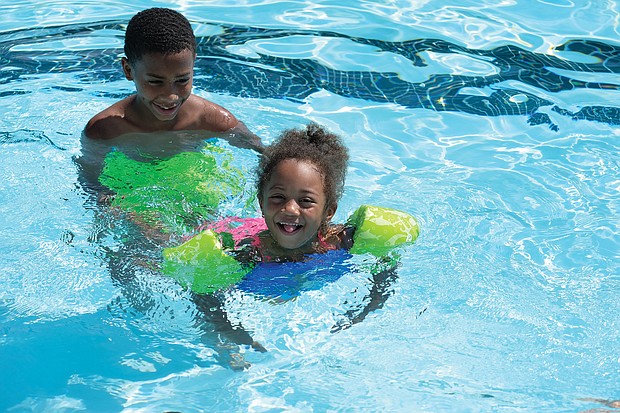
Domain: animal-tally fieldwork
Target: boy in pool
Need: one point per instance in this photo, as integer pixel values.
(160, 49)
(300, 181)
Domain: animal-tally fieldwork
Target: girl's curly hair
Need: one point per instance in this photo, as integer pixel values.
(316, 145)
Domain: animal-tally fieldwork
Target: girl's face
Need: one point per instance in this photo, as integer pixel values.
(163, 82)
(294, 203)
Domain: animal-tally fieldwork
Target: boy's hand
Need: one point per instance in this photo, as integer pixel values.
(241, 137)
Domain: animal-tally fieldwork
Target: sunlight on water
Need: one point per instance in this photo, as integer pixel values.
(493, 123)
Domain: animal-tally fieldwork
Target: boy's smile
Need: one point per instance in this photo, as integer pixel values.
(163, 82)
(294, 204)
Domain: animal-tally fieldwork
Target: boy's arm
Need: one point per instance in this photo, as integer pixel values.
(89, 164)
(110, 122)
(212, 316)
(241, 137)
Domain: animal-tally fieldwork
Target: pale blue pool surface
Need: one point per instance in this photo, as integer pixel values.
(496, 124)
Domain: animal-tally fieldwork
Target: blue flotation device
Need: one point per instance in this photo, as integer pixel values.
(202, 264)
(282, 281)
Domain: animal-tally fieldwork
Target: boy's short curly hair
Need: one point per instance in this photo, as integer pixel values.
(158, 30)
(316, 145)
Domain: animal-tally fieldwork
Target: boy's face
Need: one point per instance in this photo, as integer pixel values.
(294, 203)
(163, 82)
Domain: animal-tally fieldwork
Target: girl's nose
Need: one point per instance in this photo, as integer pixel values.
(291, 207)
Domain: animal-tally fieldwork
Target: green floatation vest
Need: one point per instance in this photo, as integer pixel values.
(175, 194)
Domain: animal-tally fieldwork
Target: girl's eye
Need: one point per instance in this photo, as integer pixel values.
(306, 202)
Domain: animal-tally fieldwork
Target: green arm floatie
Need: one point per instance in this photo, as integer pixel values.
(378, 230)
(202, 265)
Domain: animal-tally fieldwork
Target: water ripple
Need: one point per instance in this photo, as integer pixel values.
(240, 60)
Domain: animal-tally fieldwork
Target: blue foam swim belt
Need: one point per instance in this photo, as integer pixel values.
(202, 264)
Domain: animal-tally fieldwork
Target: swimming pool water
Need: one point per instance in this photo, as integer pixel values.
(496, 124)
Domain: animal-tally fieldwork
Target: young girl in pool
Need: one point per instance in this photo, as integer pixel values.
(300, 181)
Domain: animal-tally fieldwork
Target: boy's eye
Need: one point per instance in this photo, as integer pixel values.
(306, 202)
(183, 80)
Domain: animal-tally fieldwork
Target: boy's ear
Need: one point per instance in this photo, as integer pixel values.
(126, 68)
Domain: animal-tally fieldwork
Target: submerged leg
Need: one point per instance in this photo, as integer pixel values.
(213, 314)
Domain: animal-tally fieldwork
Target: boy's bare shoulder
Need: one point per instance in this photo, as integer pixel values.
(197, 113)
(109, 123)
(211, 116)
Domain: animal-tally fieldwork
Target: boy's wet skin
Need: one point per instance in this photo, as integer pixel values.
(163, 118)
(160, 49)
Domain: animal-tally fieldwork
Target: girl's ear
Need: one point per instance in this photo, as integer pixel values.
(260, 202)
(330, 212)
(126, 68)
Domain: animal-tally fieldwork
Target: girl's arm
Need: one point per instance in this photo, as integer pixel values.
(380, 291)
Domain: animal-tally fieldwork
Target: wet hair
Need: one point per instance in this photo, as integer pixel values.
(158, 30)
(315, 145)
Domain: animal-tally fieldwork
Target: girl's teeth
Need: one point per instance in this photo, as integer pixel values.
(289, 227)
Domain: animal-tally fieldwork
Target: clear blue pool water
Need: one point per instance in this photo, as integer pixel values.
(496, 124)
